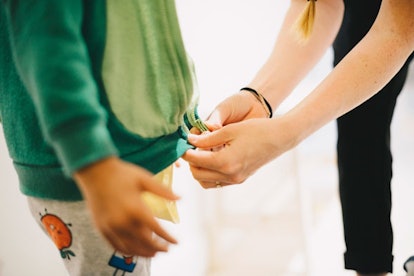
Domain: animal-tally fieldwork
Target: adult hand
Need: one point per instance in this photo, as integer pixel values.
(244, 147)
(112, 189)
(236, 108)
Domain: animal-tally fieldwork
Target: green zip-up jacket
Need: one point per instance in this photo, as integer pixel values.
(81, 80)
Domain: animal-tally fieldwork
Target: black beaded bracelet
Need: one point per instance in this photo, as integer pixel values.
(261, 99)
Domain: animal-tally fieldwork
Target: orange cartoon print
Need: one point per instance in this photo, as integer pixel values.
(59, 232)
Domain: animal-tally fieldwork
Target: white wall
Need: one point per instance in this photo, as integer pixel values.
(300, 226)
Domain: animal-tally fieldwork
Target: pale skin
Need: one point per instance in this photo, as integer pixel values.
(361, 74)
(251, 143)
(112, 189)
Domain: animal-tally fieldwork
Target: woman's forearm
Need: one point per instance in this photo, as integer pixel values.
(363, 72)
(291, 59)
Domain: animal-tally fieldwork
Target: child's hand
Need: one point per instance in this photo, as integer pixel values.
(112, 189)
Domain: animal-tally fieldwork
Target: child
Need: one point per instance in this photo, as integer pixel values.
(92, 99)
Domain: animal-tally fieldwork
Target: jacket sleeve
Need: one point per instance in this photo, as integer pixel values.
(53, 62)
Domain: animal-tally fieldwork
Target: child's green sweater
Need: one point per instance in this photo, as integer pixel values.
(84, 80)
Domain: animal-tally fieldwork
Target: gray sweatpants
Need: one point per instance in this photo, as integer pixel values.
(82, 248)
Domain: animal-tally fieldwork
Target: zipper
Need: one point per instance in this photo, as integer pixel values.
(192, 119)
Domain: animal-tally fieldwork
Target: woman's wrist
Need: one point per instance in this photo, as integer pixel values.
(261, 99)
(284, 134)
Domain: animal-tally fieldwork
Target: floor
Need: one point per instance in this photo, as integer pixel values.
(285, 220)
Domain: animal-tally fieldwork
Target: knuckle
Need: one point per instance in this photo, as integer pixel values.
(205, 185)
(235, 173)
(239, 179)
(232, 170)
(228, 169)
